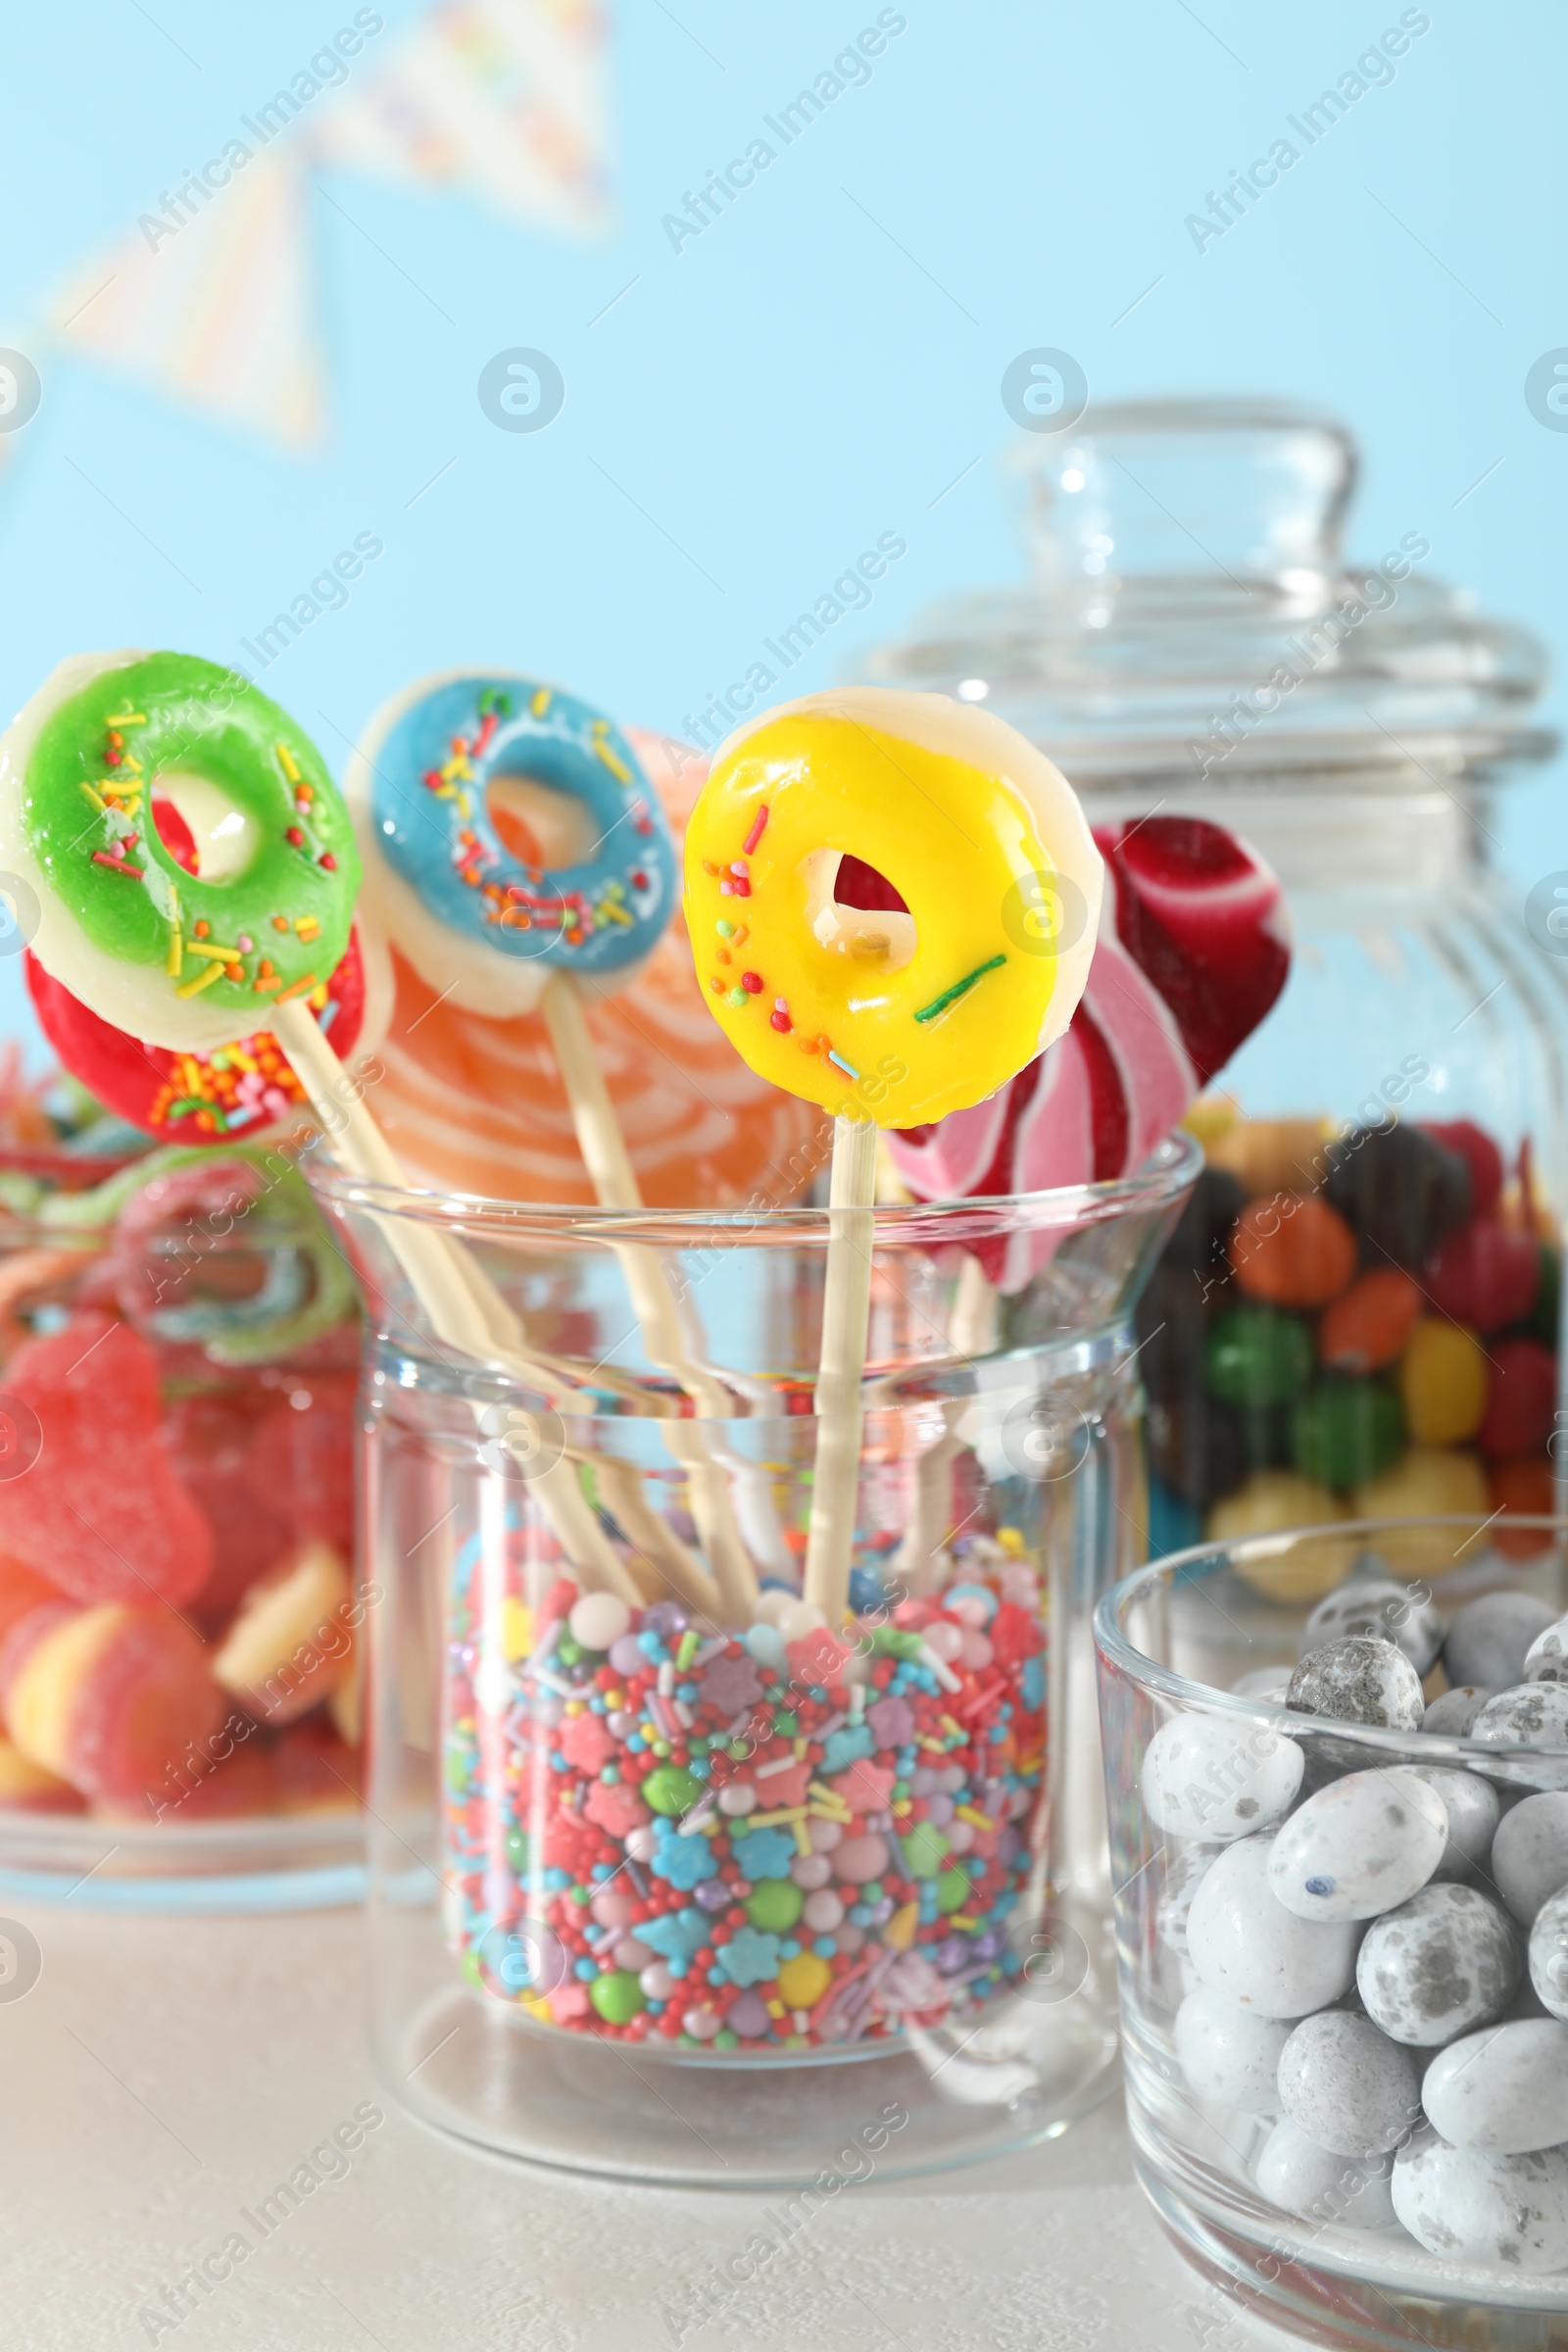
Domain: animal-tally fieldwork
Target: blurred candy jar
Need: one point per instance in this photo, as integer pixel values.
(1359, 1309)
(178, 1686)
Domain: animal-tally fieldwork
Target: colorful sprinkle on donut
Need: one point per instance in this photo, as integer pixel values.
(127, 917)
(477, 915)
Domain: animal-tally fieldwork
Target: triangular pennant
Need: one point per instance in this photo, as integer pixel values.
(216, 311)
(500, 99)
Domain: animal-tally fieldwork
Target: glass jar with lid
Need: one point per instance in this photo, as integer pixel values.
(1358, 1311)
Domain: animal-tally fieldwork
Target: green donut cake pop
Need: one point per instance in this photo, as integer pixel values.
(183, 960)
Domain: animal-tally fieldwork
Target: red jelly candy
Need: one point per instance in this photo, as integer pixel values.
(208, 1441)
(316, 1772)
(1484, 1274)
(21, 1591)
(1521, 1401)
(244, 1782)
(98, 1510)
(114, 1699)
(302, 1456)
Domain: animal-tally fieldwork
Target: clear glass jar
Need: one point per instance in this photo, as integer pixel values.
(178, 1364)
(1360, 1309)
(800, 1879)
(1284, 2180)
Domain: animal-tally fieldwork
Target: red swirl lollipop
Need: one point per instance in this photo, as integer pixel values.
(241, 1088)
(1193, 950)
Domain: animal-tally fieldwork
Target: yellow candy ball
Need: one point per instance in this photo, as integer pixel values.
(1425, 1484)
(803, 1981)
(1442, 1383)
(1271, 1501)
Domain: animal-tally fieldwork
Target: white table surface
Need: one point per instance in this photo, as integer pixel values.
(160, 2076)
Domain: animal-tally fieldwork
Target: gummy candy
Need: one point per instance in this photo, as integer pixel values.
(112, 1698)
(99, 1511)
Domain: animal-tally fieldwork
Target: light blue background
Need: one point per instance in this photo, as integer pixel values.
(802, 378)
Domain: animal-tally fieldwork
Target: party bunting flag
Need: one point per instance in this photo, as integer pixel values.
(501, 100)
(219, 314)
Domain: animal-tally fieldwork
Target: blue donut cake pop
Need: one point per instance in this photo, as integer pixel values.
(476, 918)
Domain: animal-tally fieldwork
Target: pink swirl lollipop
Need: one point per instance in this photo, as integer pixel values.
(1193, 950)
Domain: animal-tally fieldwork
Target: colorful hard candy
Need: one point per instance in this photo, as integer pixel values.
(1259, 1355)
(1343, 1431)
(1273, 1155)
(1200, 1449)
(1521, 1401)
(1367, 1328)
(1398, 1189)
(1484, 1273)
(1442, 1383)
(1522, 1490)
(1294, 1251)
(1425, 1482)
(1271, 1501)
(1479, 1155)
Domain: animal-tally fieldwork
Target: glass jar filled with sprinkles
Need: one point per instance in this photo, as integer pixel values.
(686, 1885)
(1359, 1309)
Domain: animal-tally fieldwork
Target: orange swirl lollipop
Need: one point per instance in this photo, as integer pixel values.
(475, 1103)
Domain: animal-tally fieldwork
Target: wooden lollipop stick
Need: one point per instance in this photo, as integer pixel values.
(462, 1305)
(846, 1308)
(672, 1567)
(614, 1181)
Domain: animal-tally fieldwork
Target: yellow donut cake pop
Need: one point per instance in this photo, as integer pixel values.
(898, 1012)
(891, 901)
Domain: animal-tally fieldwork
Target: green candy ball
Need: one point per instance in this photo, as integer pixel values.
(617, 1997)
(1257, 1356)
(952, 1890)
(925, 1850)
(1345, 1431)
(671, 1789)
(1545, 1313)
(775, 1906)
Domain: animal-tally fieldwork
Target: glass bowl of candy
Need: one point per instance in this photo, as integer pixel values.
(1360, 1309)
(178, 1692)
(674, 1874)
(1336, 1773)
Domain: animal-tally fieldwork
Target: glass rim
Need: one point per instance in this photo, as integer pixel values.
(1114, 1648)
(1159, 1183)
